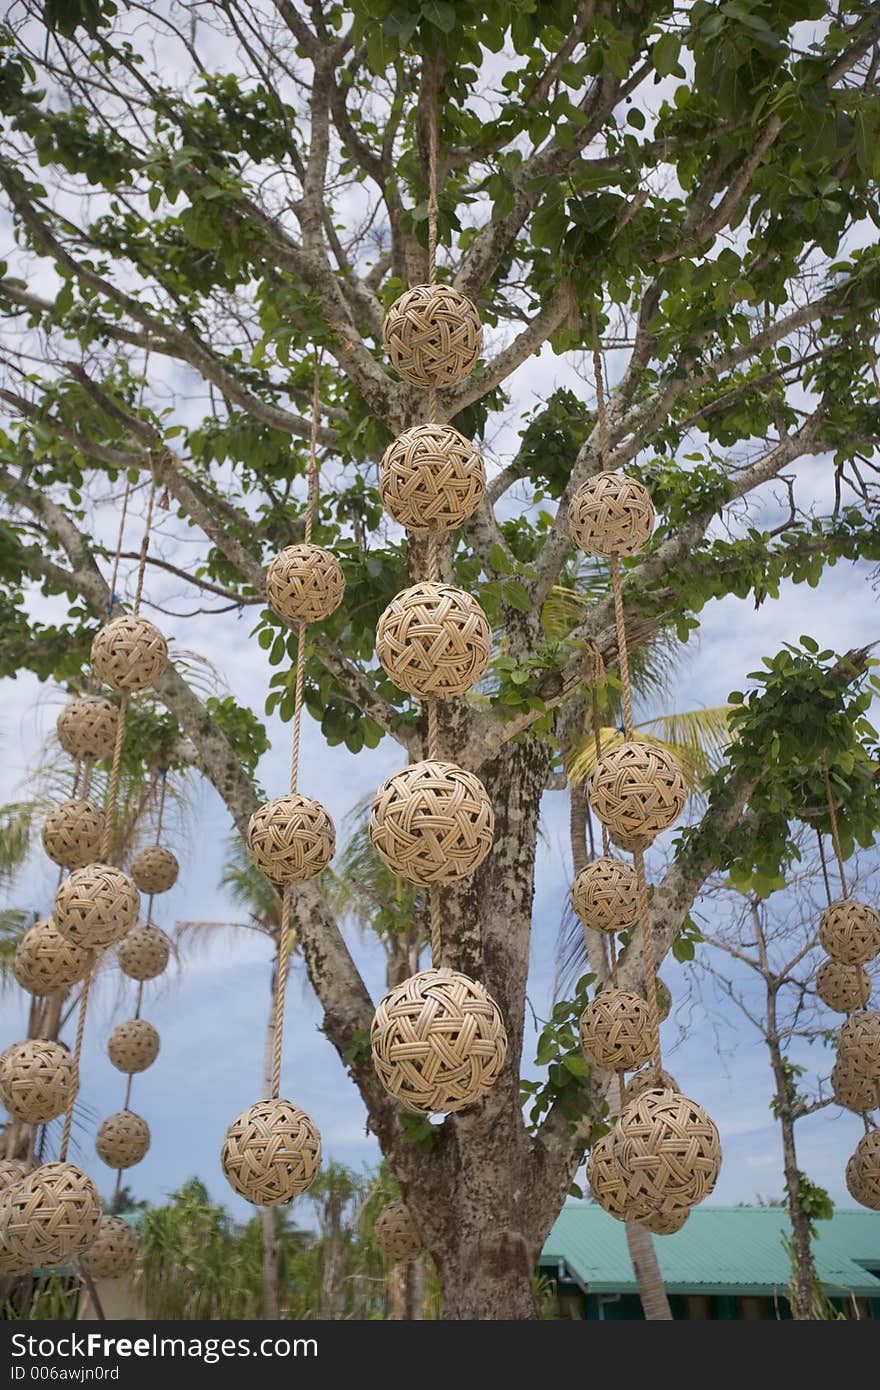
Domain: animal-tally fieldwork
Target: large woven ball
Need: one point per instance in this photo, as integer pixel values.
(438, 1041)
(304, 584)
(638, 788)
(87, 727)
(122, 1139)
(611, 514)
(434, 640)
(72, 833)
(45, 961)
(665, 1223)
(605, 895)
(605, 1178)
(154, 869)
(431, 478)
(35, 1080)
(12, 1171)
(863, 1171)
(96, 906)
(850, 931)
(433, 335)
(133, 1046)
(860, 1094)
(291, 838)
(649, 1079)
(271, 1152)
(114, 1250)
(12, 1265)
(858, 1044)
(143, 954)
(843, 987)
(615, 1031)
(432, 822)
(669, 1152)
(396, 1233)
(129, 653)
(52, 1216)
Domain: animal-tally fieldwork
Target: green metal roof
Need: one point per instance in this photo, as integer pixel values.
(736, 1250)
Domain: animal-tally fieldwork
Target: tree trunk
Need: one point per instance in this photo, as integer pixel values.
(805, 1270)
(655, 1304)
(415, 1290)
(269, 1234)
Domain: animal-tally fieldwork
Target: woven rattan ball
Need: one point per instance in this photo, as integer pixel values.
(271, 1152)
(638, 788)
(304, 584)
(144, 953)
(87, 727)
(438, 1041)
(45, 961)
(850, 931)
(52, 1216)
(605, 895)
(605, 1178)
(860, 1094)
(665, 1223)
(12, 1170)
(123, 1139)
(129, 653)
(615, 1031)
(431, 478)
(291, 838)
(668, 1150)
(133, 1046)
(35, 1080)
(96, 906)
(114, 1250)
(649, 1079)
(863, 1171)
(858, 1044)
(843, 987)
(434, 639)
(611, 514)
(433, 335)
(154, 869)
(396, 1233)
(432, 822)
(72, 833)
(12, 1265)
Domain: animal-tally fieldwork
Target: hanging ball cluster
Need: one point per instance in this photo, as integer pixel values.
(396, 1234)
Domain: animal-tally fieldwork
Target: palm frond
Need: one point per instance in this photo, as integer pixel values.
(17, 820)
(696, 738)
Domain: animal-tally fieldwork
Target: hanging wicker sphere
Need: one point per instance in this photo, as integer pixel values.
(665, 1223)
(649, 1079)
(431, 478)
(271, 1152)
(850, 931)
(438, 1041)
(291, 838)
(637, 788)
(605, 895)
(396, 1234)
(129, 653)
(860, 1094)
(843, 987)
(615, 1031)
(12, 1170)
(432, 822)
(611, 514)
(12, 1265)
(863, 1171)
(96, 906)
(434, 640)
(432, 335)
(45, 961)
(668, 1150)
(35, 1080)
(304, 584)
(87, 727)
(154, 869)
(122, 1139)
(858, 1044)
(51, 1216)
(114, 1250)
(144, 953)
(631, 844)
(605, 1178)
(133, 1046)
(72, 833)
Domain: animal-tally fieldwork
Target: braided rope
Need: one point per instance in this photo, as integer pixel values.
(75, 1061)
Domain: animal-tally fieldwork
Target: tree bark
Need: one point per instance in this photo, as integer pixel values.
(415, 1289)
(269, 1234)
(655, 1304)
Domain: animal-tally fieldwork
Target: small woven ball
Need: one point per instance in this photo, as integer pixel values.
(434, 640)
(860, 1094)
(143, 953)
(291, 838)
(51, 1216)
(605, 895)
(850, 931)
(605, 1178)
(129, 653)
(35, 1080)
(154, 869)
(133, 1046)
(87, 727)
(665, 1223)
(304, 584)
(114, 1250)
(12, 1170)
(431, 478)
(638, 788)
(432, 822)
(649, 1079)
(611, 514)
(433, 335)
(45, 961)
(669, 1152)
(271, 1152)
(72, 833)
(96, 906)
(858, 1044)
(615, 1031)
(396, 1234)
(843, 987)
(122, 1139)
(863, 1171)
(438, 1041)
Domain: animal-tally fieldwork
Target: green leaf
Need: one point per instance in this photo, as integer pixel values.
(665, 55)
